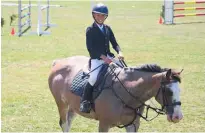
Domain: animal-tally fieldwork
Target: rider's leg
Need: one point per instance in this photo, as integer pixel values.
(85, 105)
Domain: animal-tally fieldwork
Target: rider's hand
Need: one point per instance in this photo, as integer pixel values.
(105, 59)
(120, 56)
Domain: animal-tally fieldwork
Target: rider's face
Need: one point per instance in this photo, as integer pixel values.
(100, 18)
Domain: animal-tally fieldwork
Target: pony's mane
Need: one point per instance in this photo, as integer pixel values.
(147, 68)
(152, 68)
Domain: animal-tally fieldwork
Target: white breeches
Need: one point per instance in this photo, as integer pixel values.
(94, 64)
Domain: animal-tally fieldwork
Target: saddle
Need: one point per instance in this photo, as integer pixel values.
(81, 79)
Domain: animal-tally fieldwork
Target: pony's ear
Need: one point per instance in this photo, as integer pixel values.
(169, 74)
(180, 72)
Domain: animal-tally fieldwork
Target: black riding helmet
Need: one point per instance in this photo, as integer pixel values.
(101, 9)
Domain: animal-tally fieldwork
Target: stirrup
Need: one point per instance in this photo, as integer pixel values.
(85, 106)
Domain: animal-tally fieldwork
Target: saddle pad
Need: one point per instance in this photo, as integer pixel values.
(78, 83)
(80, 80)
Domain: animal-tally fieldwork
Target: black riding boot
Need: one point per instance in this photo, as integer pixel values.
(85, 105)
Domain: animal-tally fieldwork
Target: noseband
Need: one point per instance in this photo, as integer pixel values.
(165, 101)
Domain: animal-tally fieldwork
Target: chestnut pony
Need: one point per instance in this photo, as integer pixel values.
(123, 102)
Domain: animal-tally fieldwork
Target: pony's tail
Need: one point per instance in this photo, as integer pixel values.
(51, 74)
(55, 69)
(54, 63)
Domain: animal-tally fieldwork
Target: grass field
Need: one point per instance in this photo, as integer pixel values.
(27, 104)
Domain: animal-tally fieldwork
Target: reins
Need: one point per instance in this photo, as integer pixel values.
(136, 110)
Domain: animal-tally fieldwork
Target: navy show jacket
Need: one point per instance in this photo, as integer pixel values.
(97, 42)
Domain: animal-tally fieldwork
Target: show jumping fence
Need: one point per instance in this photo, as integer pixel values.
(169, 10)
(47, 24)
(21, 17)
(21, 11)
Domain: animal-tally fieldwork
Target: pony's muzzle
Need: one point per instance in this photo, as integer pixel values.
(175, 117)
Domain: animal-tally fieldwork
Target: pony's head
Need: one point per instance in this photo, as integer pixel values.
(169, 95)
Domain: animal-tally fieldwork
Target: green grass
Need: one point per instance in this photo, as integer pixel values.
(27, 104)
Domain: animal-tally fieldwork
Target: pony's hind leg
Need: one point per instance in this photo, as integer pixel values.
(63, 119)
(70, 116)
(66, 120)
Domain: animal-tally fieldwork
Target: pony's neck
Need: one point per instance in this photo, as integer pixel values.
(143, 85)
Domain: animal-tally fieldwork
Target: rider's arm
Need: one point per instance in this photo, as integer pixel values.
(89, 43)
(113, 41)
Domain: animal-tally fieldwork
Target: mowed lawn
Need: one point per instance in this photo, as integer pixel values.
(27, 104)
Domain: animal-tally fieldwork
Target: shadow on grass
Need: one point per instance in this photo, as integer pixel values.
(24, 31)
(45, 30)
(189, 23)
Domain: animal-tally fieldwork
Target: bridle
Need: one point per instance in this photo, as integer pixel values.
(159, 111)
(164, 97)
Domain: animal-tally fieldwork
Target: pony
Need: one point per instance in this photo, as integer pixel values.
(122, 100)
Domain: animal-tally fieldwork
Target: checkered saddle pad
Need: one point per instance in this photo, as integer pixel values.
(80, 80)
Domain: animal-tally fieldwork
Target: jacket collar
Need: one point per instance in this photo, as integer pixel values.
(95, 25)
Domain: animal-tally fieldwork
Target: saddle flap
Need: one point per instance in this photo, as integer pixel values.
(81, 79)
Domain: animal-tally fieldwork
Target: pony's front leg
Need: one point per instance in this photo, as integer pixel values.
(137, 120)
(131, 128)
(135, 126)
(103, 127)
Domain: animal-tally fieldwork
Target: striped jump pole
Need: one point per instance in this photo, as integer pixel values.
(189, 2)
(169, 10)
(189, 8)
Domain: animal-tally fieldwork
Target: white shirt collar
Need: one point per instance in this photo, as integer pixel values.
(100, 26)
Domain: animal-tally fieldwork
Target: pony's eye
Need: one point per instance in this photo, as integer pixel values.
(169, 92)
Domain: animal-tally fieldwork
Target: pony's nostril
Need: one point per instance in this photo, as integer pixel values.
(176, 117)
